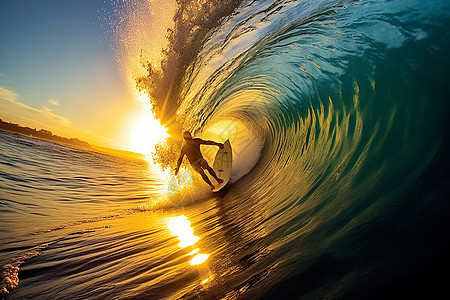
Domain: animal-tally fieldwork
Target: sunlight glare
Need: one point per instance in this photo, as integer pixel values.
(199, 259)
(146, 131)
(181, 228)
(208, 279)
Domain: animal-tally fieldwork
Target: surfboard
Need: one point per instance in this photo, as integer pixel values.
(223, 164)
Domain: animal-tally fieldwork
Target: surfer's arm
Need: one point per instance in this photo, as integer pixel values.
(203, 142)
(180, 160)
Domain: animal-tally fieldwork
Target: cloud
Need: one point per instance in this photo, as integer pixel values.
(11, 109)
(7, 95)
(53, 102)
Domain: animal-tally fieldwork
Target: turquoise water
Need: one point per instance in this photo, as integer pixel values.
(350, 101)
(338, 116)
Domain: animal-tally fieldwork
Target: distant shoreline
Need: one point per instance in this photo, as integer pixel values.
(42, 134)
(47, 135)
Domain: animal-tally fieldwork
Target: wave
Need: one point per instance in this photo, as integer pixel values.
(335, 110)
(329, 84)
(192, 22)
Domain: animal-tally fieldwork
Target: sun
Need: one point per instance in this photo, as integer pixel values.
(145, 130)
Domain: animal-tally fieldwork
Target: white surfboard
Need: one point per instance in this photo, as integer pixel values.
(222, 165)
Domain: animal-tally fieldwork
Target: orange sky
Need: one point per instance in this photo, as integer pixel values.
(69, 67)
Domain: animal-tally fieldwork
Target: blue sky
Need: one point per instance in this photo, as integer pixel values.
(59, 70)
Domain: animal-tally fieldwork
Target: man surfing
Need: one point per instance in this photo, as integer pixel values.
(192, 150)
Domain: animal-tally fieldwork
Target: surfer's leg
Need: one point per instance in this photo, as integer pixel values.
(205, 178)
(211, 171)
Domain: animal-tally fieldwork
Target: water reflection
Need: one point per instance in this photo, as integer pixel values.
(199, 259)
(181, 228)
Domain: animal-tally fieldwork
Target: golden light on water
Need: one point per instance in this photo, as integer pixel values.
(145, 132)
(208, 279)
(199, 259)
(195, 251)
(181, 228)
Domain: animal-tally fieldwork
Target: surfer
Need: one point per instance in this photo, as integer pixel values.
(192, 150)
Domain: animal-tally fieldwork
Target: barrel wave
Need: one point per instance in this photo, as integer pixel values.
(337, 111)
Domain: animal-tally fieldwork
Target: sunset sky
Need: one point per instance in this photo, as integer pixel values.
(60, 69)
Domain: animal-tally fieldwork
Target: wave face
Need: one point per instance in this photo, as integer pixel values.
(337, 92)
(348, 102)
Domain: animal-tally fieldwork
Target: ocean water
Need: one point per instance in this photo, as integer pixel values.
(338, 116)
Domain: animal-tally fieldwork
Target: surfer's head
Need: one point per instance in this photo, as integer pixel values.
(187, 135)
